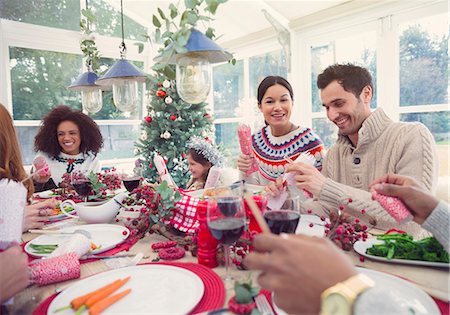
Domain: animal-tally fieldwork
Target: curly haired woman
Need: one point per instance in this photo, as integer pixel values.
(68, 140)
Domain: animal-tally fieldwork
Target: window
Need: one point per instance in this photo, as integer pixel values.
(44, 61)
(424, 80)
(52, 13)
(235, 96)
(39, 79)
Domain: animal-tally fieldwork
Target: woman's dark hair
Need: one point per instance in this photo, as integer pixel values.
(46, 139)
(199, 158)
(351, 77)
(269, 81)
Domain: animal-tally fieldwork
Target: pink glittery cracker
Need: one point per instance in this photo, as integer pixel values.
(56, 269)
(245, 142)
(41, 167)
(394, 206)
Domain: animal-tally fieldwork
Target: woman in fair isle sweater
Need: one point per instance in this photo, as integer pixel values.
(68, 140)
(280, 137)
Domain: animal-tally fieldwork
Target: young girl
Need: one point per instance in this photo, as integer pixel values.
(201, 155)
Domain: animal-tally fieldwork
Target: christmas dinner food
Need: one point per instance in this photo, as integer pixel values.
(402, 246)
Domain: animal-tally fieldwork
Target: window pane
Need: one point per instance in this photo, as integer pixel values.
(326, 130)
(63, 14)
(26, 139)
(118, 141)
(424, 61)
(439, 125)
(273, 63)
(108, 22)
(226, 136)
(39, 79)
(228, 81)
(359, 49)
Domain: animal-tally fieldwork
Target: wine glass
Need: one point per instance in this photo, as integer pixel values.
(285, 218)
(81, 184)
(131, 181)
(226, 221)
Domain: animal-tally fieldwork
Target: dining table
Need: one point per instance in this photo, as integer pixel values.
(434, 281)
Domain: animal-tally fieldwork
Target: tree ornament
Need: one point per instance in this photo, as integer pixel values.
(207, 116)
(166, 135)
(161, 93)
(143, 135)
(173, 117)
(148, 119)
(166, 84)
(168, 100)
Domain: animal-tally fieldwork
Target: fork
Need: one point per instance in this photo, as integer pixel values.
(263, 305)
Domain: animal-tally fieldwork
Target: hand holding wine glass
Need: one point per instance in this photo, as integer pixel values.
(226, 221)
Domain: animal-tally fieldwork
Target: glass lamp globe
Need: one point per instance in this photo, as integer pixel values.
(193, 77)
(125, 94)
(91, 100)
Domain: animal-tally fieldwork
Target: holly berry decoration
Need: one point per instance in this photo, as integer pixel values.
(173, 117)
(161, 93)
(207, 116)
(242, 302)
(148, 119)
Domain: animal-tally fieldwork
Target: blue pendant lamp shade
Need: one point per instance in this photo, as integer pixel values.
(123, 76)
(91, 93)
(193, 71)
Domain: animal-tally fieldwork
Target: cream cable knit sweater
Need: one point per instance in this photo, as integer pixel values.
(383, 147)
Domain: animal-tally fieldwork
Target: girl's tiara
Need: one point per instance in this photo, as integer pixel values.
(206, 149)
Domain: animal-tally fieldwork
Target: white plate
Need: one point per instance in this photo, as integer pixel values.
(155, 289)
(62, 215)
(318, 228)
(360, 247)
(106, 236)
(47, 194)
(404, 294)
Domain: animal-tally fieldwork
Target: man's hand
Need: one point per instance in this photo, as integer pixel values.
(308, 177)
(298, 269)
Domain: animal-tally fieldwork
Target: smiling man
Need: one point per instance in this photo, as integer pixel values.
(369, 145)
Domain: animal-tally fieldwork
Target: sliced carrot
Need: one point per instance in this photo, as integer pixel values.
(101, 294)
(101, 305)
(79, 301)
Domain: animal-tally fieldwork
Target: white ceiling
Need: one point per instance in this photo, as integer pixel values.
(234, 19)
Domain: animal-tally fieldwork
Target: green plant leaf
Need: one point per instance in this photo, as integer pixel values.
(192, 18)
(161, 14)
(173, 10)
(140, 47)
(210, 33)
(211, 6)
(156, 21)
(190, 4)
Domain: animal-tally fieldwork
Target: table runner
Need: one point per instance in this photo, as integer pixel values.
(213, 298)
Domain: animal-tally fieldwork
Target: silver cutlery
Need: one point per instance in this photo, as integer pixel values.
(263, 306)
(79, 231)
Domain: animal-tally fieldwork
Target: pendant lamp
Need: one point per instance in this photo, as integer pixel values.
(91, 93)
(124, 77)
(193, 70)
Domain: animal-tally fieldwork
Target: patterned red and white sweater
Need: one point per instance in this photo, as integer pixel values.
(270, 151)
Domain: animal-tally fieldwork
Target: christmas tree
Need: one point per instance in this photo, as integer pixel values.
(171, 122)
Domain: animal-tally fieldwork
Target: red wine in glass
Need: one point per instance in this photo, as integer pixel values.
(229, 205)
(83, 188)
(131, 183)
(282, 221)
(226, 230)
